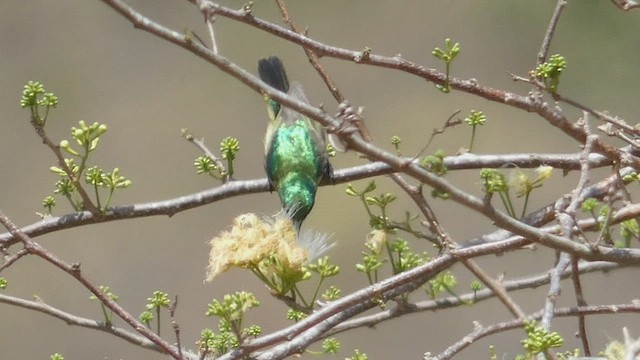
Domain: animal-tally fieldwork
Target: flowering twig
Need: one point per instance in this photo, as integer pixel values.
(74, 320)
(74, 270)
(529, 282)
(483, 331)
(553, 23)
(552, 114)
(173, 206)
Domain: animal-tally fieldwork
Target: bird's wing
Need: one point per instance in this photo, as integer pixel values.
(317, 130)
(289, 115)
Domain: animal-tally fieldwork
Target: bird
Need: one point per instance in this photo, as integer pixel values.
(296, 160)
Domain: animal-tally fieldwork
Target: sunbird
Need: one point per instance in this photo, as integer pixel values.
(296, 159)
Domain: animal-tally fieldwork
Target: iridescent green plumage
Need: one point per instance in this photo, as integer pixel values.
(296, 160)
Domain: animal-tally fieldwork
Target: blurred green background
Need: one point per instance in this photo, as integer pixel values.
(146, 90)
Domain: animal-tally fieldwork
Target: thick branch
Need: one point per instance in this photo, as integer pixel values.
(245, 187)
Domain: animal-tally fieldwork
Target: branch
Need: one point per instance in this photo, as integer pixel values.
(554, 290)
(74, 270)
(552, 114)
(530, 282)
(298, 336)
(577, 289)
(231, 189)
(75, 320)
(295, 337)
(86, 200)
(355, 142)
(626, 5)
(445, 239)
(483, 331)
(546, 43)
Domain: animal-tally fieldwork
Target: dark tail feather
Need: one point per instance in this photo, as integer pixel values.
(272, 72)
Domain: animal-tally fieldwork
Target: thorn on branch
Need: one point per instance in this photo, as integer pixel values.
(351, 121)
(364, 55)
(247, 8)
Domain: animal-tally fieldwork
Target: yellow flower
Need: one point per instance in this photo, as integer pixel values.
(288, 252)
(544, 172)
(270, 245)
(376, 239)
(520, 183)
(244, 245)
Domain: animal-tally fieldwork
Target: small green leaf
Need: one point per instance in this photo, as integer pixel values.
(146, 317)
(229, 147)
(331, 294)
(30, 94)
(351, 191)
(358, 356)
(158, 300)
(204, 165)
(330, 346)
(551, 70)
(476, 118)
(370, 187)
(590, 205)
(295, 315)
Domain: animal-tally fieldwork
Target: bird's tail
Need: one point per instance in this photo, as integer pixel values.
(272, 72)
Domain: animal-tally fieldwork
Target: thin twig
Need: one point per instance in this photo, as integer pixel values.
(74, 270)
(86, 200)
(445, 239)
(546, 43)
(199, 143)
(449, 123)
(530, 282)
(566, 214)
(554, 290)
(357, 121)
(577, 199)
(581, 302)
(212, 34)
(621, 124)
(74, 320)
(11, 259)
(174, 324)
(626, 5)
(313, 58)
(484, 331)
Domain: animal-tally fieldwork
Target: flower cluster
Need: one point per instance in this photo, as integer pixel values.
(266, 245)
